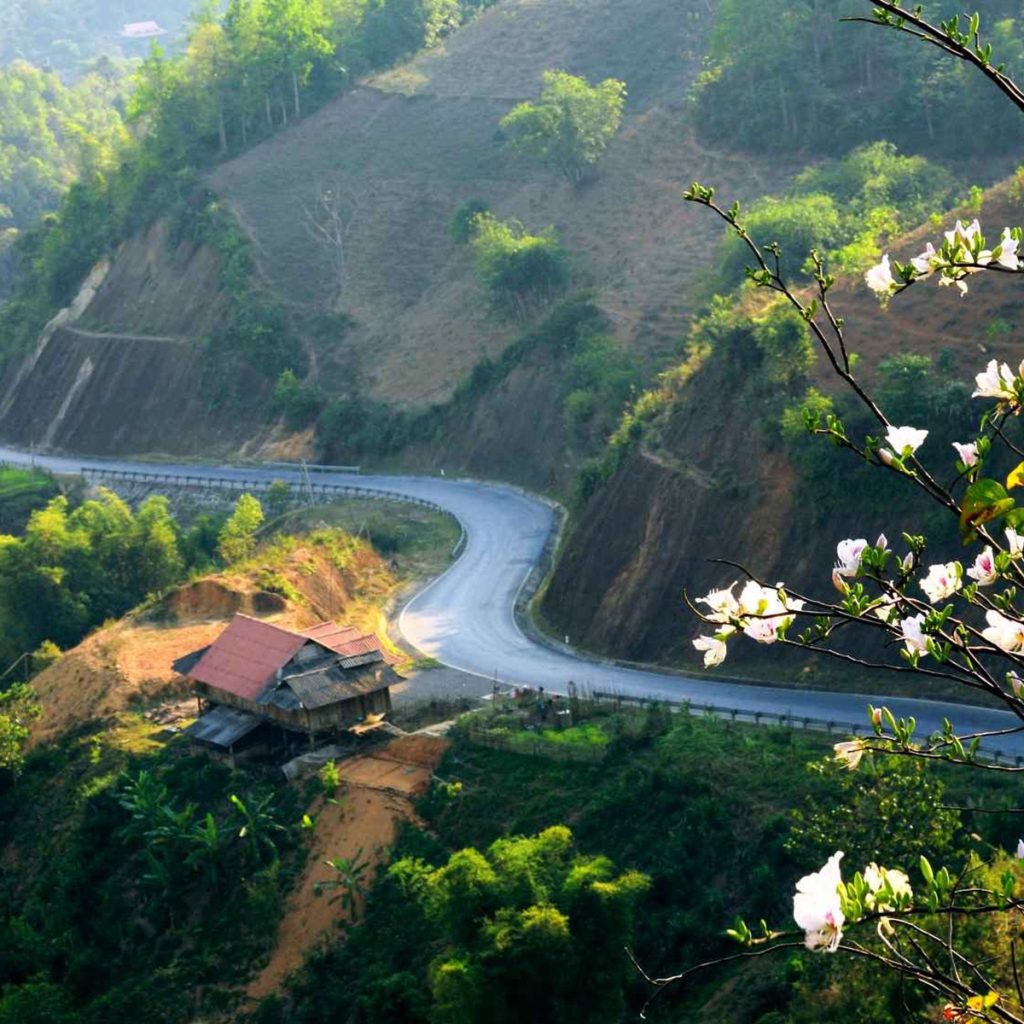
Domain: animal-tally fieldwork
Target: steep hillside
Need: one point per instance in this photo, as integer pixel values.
(406, 148)
(719, 482)
(123, 368)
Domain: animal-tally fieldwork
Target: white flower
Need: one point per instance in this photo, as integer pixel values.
(884, 606)
(713, 648)
(927, 261)
(996, 381)
(942, 581)
(984, 569)
(902, 438)
(1019, 853)
(850, 753)
(886, 886)
(817, 908)
(723, 605)
(1006, 634)
(1014, 542)
(912, 634)
(768, 610)
(1007, 252)
(880, 280)
(964, 236)
(967, 453)
(848, 553)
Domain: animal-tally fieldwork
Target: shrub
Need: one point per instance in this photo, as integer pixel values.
(463, 223)
(521, 271)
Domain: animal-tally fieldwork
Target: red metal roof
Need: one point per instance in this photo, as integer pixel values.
(247, 655)
(346, 640)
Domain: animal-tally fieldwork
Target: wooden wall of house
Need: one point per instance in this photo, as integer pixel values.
(333, 716)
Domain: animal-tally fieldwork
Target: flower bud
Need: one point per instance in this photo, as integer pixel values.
(885, 455)
(876, 717)
(839, 583)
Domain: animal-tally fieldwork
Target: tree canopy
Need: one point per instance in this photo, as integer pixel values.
(570, 126)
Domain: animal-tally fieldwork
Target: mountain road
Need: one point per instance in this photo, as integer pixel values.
(466, 617)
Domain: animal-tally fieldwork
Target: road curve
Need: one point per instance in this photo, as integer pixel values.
(465, 618)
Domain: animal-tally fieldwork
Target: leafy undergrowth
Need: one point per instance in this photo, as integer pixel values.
(105, 913)
(704, 809)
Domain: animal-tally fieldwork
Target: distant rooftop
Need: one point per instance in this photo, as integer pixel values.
(142, 30)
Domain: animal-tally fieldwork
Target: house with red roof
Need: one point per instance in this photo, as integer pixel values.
(262, 685)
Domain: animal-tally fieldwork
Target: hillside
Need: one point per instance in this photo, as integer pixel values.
(714, 485)
(408, 147)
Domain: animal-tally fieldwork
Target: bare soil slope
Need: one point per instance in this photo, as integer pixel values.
(128, 665)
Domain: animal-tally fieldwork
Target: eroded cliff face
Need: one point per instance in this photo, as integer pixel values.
(121, 371)
(713, 482)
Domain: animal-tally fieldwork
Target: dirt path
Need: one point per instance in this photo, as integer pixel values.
(380, 792)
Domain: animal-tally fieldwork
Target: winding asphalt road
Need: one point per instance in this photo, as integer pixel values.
(465, 618)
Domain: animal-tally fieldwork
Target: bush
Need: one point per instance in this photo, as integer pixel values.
(463, 223)
(521, 271)
(797, 223)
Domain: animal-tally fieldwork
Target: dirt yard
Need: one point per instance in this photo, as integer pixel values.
(378, 794)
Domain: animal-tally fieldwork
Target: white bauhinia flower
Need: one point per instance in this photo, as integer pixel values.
(912, 634)
(984, 569)
(767, 610)
(817, 907)
(967, 453)
(927, 261)
(1014, 542)
(848, 555)
(996, 381)
(961, 235)
(883, 607)
(1007, 252)
(850, 753)
(879, 278)
(885, 887)
(904, 439)
(942, 581)
(724, 607)
(1004, 633)
(714, 650)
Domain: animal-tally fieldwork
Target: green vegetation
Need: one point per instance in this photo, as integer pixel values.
(419, 540)
(595, 375)
(522, 272)
(570, 126)
(48, 132)
(75, 568)
(237, 538)
(786, 76)
(845, 209)
(18, 709)
(143, 881)
(22, 491)
(701, 808)
(68, 35)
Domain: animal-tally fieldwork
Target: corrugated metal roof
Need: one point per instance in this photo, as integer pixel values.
(346, 640)
(331, 685)
(223, 726)
(246, 656)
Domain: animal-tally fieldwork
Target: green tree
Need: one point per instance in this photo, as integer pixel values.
(18, 709)
(570, 126)
(237, 538)
(532, 930)
(521, 271)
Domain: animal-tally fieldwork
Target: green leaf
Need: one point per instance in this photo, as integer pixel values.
(984, 501)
